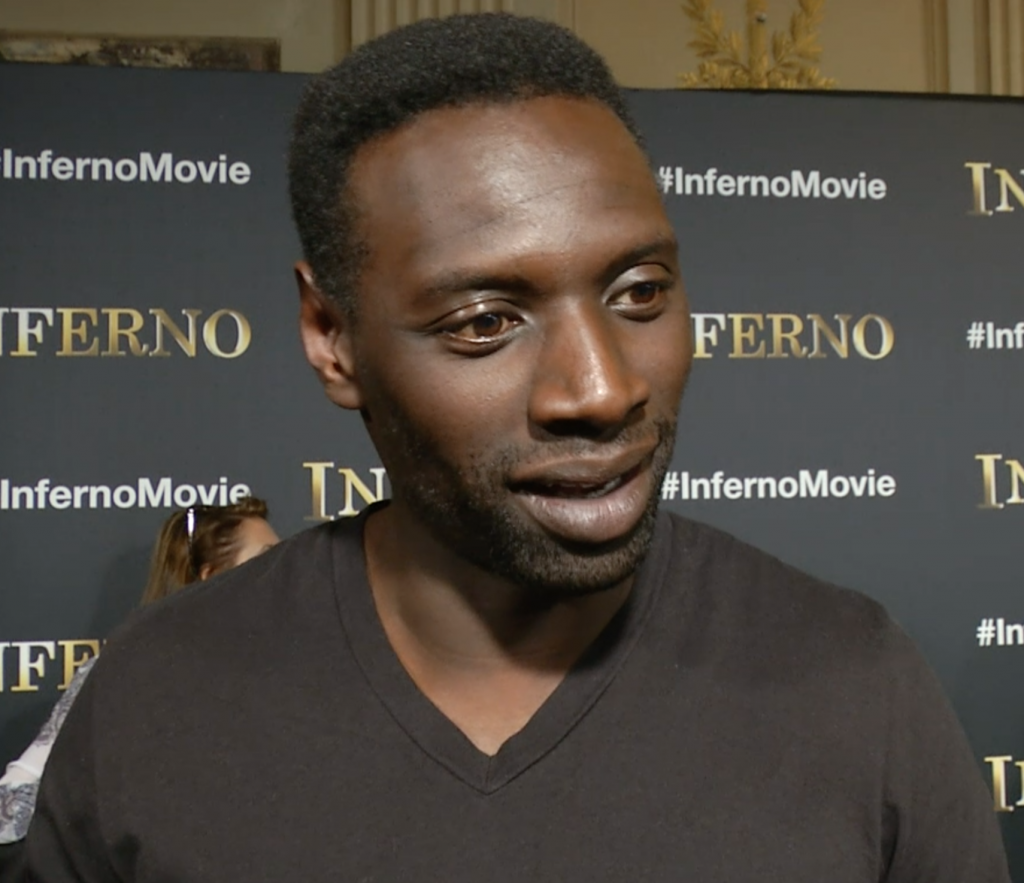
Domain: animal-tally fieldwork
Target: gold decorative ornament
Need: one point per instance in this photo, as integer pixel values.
(790, 65)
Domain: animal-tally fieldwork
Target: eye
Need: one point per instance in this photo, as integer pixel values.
(645, 292)
(642, 300)
(481, 333)
(484, 326)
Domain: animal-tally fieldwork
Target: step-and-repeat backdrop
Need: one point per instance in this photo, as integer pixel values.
(854, 265)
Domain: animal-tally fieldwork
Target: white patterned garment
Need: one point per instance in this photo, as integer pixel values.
(20, 784)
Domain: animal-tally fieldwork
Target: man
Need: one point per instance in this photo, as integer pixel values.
(515, 669)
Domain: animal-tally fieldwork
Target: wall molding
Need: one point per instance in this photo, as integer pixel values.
(937, 52)
(975, 46)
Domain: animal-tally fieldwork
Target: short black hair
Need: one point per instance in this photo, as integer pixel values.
(447, 62)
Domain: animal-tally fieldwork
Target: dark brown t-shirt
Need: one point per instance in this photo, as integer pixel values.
(737, 721)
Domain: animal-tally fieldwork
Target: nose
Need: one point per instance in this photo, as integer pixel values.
(586, 382)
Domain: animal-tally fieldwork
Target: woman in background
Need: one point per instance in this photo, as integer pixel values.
(202, 541)
(193, 544)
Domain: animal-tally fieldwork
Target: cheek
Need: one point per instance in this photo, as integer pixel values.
(668, 359)
(455, 404)
(246, 553)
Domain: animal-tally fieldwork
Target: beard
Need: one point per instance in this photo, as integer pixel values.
(470, 510)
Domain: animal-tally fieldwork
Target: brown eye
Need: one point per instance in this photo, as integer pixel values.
(482, 329)
(645, 292)
(641, 298)
(486, 325)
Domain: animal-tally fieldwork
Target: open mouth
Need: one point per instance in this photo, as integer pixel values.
(578, 490)
(581, 509)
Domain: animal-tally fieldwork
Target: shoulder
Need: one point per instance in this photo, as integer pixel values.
(827, 674)
(60, 711)
(237, 618)
(765, 610)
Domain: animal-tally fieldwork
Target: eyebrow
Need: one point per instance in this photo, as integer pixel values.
(658, 245)
(457, 281)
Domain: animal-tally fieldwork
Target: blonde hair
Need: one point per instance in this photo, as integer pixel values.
(214, 545)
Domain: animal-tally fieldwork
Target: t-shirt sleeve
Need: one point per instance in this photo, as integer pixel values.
(941, 827)
(20, 784)
(65, 842)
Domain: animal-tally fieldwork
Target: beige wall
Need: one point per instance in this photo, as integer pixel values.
(868, 44)
(888, 45)
(964, 46)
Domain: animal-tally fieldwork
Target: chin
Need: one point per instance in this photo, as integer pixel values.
(545, 566)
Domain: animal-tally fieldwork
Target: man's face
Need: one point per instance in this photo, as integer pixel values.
(521, 339)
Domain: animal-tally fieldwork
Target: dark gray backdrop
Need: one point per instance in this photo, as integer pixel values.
(918, 258)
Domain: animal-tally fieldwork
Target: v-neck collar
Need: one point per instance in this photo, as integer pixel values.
(428, 727)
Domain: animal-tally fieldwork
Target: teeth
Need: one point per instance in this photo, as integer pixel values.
(585, 493)
(606, 488)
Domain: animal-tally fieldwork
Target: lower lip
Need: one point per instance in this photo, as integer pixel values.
(592, 520)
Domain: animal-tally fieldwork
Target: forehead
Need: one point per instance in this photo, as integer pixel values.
(471, 177)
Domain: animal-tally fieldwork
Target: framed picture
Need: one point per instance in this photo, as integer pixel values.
(198, 53)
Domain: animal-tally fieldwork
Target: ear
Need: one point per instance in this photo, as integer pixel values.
(205, 572)
(326, 338)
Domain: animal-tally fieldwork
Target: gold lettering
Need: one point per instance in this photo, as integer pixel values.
(317, 473)
(978, 184)
(999, 782)
(72, 661)
(115, 332)
(241, 325)
(780, 337)
(742, 336)
(354, 483)
(187, 343)
(27, 329)
(840, 343)
(27, 664)
(3, 646)
(705, 331)
(990, 498)
(1008, 185)
(71, 332)
(888, 339)
(1016, 479)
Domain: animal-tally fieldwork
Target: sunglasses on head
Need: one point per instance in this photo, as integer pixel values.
(191, 515)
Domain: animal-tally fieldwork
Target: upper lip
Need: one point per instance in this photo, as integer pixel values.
(582, 471)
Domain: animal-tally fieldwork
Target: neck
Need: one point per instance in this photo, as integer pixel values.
(454, 613)
(488, 654)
